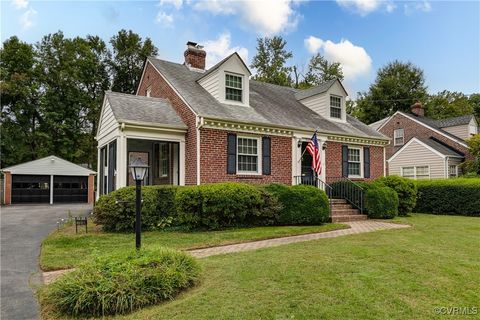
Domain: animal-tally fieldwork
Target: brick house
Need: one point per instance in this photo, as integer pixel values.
(196, 126)
(426, 148)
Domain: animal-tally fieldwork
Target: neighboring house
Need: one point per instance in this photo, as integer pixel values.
(426, 148)
(48, 180)
(194, 126)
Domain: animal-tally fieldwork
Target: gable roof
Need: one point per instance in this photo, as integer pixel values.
(427, 122)
(321, 88)
(431, 144)
(51, 165)
(134, 109)
(269, 105)
(216, 66)
(378, 123)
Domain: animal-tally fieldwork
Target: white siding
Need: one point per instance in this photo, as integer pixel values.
(108, 126)
(459, 131)
(210, 83)
(51, 165)
(417, 154)
(320, 103)
(456, 162)
(473, 127)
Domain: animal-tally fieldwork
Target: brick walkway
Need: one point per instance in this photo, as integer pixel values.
(355, 227)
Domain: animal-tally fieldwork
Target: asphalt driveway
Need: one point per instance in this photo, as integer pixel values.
(23, 227)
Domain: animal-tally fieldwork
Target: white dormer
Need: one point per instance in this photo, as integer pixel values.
(228, 81)
(327, 99)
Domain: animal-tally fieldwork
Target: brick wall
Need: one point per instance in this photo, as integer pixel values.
(160, 89)
(414, 129)
(333, 155)
(7, 191)
(213, 159)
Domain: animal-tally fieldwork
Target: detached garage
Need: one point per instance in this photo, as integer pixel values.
(48, 180)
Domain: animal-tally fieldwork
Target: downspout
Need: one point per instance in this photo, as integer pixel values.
(384, 162)
(446, 167)
(200, 122)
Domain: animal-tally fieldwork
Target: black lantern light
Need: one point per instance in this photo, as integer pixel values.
(139, 169)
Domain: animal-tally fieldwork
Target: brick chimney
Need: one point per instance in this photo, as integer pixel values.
(195, 55)
(417, 109)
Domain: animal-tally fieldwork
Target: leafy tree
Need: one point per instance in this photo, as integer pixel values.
(20, 116)
(473, 166)
(447, 104)
(270, 61)
(397, 86)
(474, 100)
(320, 70)
(128, 56)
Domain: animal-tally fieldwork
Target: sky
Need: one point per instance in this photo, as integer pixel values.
(440, 37)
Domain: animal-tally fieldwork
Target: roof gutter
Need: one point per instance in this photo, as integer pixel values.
(200, 122)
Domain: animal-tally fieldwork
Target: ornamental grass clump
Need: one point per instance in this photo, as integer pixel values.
(121, 283)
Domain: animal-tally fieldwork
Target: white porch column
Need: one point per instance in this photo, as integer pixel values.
(182, 163)
(122, 161)
(51, 189)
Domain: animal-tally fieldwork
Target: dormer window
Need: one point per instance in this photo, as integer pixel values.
(233, 87)
(335, 107)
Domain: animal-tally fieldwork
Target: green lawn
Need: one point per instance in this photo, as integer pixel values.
(65, 249)
(392, 274)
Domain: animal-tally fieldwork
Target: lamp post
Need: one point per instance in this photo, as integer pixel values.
(138, 168)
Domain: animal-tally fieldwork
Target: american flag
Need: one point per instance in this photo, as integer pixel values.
(314, 150)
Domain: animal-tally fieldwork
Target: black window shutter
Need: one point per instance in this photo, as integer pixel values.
(231, 153)
(266, 156)
(366, 162)
(344, 161)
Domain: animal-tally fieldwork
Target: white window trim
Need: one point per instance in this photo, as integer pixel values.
(395, 138)
(330, 107)
(241, 76)
(163, 175)
(415, 171)
(361, 162)
(259, 157)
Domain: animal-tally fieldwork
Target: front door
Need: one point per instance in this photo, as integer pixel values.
(307, 172)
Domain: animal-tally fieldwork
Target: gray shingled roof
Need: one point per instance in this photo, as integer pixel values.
(434, 124)
(443, 149)
(321, 88)
(455, 121)
(139, 109)
(269, 105)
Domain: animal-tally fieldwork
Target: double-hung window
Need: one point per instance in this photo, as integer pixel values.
(422, 172)
(233, 87)
(452, 171)
(408, 172)
(248, 155)
(398, 137)
(354, 162)
(335, 107)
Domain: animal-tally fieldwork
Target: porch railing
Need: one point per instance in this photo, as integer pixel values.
(344, 188)
(317, 182)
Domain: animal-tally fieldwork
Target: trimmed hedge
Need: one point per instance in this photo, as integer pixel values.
(405, 189)
(221, 205)
(121, 283)
(380, 202)
(301, 204)
(449, 196)
(116, 210)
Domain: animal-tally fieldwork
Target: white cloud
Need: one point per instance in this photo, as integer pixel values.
(20, 4)
(26, 19)
(176, 3)
(355, 60)
(266, 17)
(221, 47)
(364, 7)
(423, 6)
(164, 19)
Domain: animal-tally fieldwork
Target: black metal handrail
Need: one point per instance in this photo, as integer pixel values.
(317, 182)
(344, 188)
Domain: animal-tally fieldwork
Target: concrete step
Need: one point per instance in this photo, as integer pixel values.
(341, 206)
(347, 218)
(335, 201)
(345, 212)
